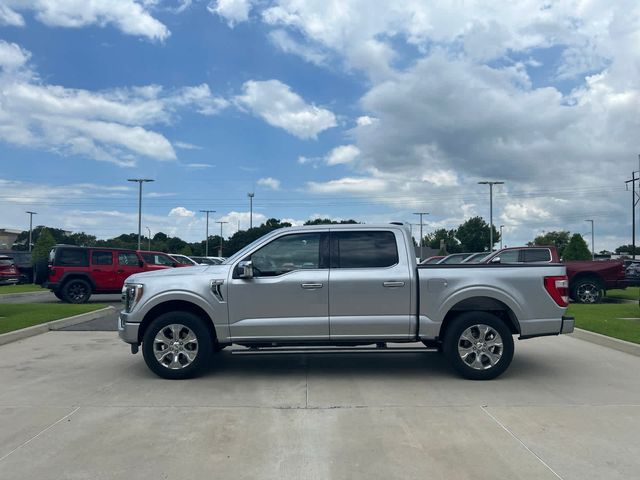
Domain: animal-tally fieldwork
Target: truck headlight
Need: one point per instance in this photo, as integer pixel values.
(131, 295)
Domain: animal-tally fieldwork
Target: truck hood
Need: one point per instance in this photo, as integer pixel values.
(210, 270)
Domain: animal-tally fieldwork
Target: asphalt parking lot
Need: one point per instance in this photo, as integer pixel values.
(77, 404)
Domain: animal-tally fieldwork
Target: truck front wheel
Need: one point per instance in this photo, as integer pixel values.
(177, 345)
(479, 345)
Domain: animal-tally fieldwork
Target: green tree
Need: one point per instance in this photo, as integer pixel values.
(444, 237)
(628, 249)
(43, 246)
(474, 235)
(81, 239)
(328, 221)
(559, 239)
(577, 249)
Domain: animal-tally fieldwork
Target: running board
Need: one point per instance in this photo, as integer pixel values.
(327, 350)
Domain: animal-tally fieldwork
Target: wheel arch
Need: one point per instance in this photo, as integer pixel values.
(481, 304)
(177, 306)
(77, 276)
(594, 276)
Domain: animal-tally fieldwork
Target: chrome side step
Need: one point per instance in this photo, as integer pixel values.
(327, 350)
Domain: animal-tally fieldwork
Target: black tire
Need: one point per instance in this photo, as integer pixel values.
(586, 290)
(485, 369)
(76, 290)
(58, 295)
(150, 347)
(40, 272)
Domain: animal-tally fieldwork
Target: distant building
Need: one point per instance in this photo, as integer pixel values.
(8, 237)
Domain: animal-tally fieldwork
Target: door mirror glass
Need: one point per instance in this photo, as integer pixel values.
(495, 260)
(245, 269)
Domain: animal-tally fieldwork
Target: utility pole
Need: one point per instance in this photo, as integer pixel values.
(220, 251)
(420, 243)
(149, 237)
(206, 242)
(140, 182)
(635, 197)
(491, 184)
(501, 226)
(250, 195)
(31, 214)
(593, 249)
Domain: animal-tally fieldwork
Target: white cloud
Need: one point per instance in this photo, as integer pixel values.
(198, 165)
(285, 42)
(110, 125)
(365, 120)
(129, 16)
(343, 154)
(233, 11)
(355, 185)
(186, 146)
(269, 182)
(279, 106)
(181, 212)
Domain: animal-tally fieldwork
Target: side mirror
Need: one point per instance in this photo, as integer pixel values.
(245, 269)
(174, 264)
(495, 260)
(140, 263)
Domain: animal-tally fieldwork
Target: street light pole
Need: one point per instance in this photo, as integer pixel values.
(206, 243)
(491, 184)
(31, 214)
(149, 237)
(501, 226)
(220, 251)
(421, 214)
(140, 182)
(250, 195)
(593, 247)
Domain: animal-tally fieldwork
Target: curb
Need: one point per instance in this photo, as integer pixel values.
(13, 296)
(609, 342)
(53, 325)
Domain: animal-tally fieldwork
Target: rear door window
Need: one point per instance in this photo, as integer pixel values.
(537, 255)
(101, 258)
(375, 249)
(72, 257)
(128, 258)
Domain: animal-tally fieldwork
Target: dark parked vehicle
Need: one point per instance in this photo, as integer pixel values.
(22, 261)
(454, 258)
(9, 274)
(73, 273)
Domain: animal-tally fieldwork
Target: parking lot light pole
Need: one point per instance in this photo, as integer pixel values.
(220, 251)
(420, 243)
(206, 243)
(593, 248)
(31, 214)
(250, 195)
(491, 184)
(140, 182)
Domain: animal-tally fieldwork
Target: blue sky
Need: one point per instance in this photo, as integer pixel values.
(345, 109)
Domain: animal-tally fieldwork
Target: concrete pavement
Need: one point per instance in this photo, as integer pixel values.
(78, 405)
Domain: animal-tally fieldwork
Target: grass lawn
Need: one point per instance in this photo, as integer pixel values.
(23, 288)
(14, 316)
(630, 293)
(608, 319)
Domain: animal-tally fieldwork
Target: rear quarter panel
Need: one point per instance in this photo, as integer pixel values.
(520, 288)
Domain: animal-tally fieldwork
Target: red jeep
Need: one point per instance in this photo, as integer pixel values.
(74, 273)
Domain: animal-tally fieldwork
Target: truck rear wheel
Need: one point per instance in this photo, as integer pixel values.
(479, 345)
(587, 290)
(177, 345)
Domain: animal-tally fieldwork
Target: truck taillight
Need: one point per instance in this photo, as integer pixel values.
(558, 288)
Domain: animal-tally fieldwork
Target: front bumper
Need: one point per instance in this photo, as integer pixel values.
(128, 331)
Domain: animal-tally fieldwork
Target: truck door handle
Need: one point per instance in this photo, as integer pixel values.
(311, 286)
(119, 271)
(393, 284)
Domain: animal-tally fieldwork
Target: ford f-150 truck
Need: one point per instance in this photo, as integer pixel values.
(340, 286)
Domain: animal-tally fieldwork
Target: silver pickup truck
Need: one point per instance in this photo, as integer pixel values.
(341, 286)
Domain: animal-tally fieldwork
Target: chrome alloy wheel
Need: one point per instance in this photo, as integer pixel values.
(175, 346)
(480, 347)
(587, 292)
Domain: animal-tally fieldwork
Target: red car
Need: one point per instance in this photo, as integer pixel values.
(9, 274)
(588, 279)
(73, 274)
